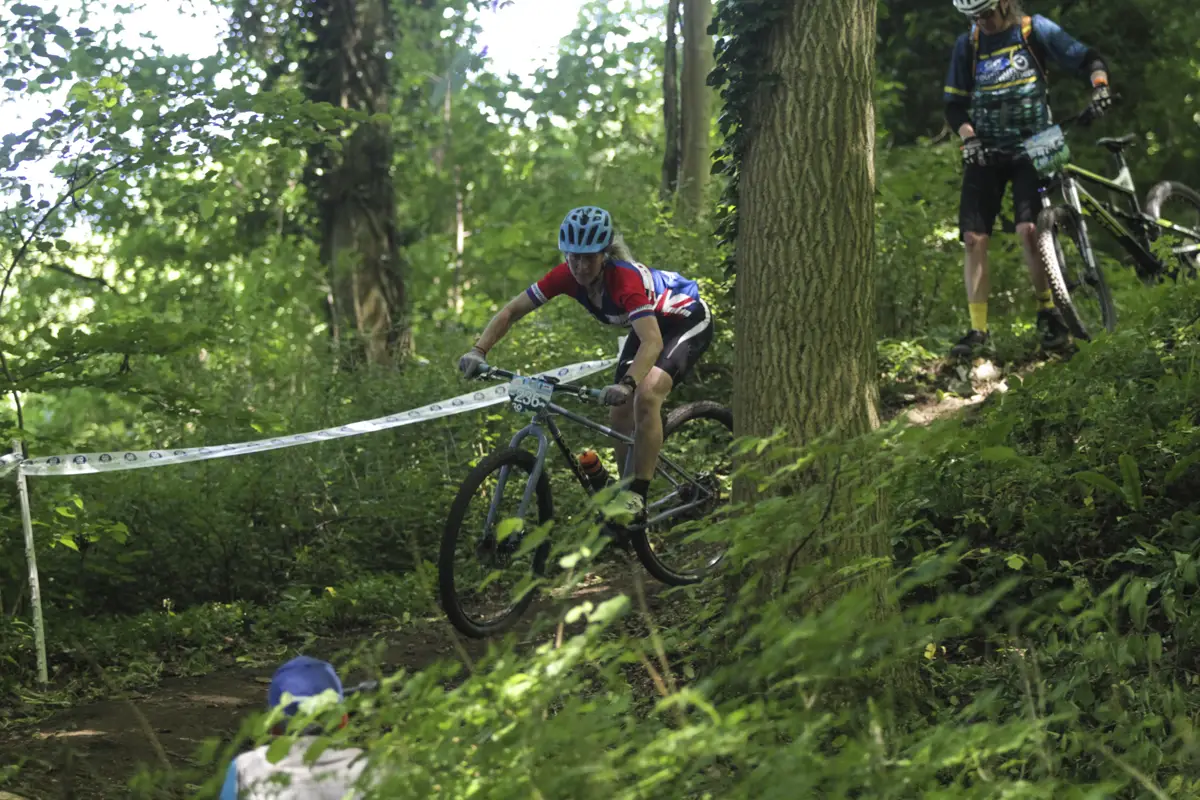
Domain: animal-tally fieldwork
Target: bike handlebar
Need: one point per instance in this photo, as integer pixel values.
(582, 392)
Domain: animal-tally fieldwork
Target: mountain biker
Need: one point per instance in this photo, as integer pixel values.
(302, 681)
(672, 327)
(996, 97)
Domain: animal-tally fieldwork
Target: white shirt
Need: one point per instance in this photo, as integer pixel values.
(331, 777)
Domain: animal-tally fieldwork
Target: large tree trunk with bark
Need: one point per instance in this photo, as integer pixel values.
(347, 66)
(670, 166)
(805, 325)
(697, 108)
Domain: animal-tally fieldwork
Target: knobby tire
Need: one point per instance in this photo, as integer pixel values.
(522, 463)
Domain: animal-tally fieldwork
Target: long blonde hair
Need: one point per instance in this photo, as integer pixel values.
(618, 249)
(1015, 12)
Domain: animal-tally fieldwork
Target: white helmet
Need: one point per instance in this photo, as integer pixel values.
(973, 7)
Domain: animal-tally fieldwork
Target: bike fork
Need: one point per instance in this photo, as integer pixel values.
(1085, 244)
(537, 431)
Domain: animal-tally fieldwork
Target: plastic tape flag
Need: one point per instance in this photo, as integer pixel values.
(83, 463)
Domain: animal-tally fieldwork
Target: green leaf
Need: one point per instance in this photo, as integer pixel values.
(1015, 561)
(15, 84)
(998, 453)
(1133, 481)
(69, 543)
(62, 245)
(79, 503)
(64, 512)
(1135, 596)
(1181, 466)
(207, 208)
(1098, 481)
(1154, 647)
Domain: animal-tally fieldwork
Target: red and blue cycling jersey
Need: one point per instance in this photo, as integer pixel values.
(631, 291)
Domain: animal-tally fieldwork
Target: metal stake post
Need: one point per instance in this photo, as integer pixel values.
(35, 594)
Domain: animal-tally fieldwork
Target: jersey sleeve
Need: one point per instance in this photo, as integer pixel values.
(555, 282)
(229, 789)
(959, 76)
(629, 292)
(1060, 46)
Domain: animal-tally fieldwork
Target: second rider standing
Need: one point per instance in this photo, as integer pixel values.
(996, 96)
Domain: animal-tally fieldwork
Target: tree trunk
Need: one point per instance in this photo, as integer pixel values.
(354, 191)
(697, 103)
(670, 166)
(805, 324)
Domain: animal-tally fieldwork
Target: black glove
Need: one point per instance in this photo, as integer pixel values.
(470, 362)
(617, 394)
(1101, 101)
(973, 152)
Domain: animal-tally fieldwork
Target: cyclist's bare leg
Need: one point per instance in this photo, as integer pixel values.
(621, 419)
(975, 266)
(644, 417)
(1027, 233)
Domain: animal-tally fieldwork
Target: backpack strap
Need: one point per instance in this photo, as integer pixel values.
(1034, 48)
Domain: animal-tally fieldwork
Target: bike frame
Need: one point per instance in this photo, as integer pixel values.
(543, 428)
(1110, 217)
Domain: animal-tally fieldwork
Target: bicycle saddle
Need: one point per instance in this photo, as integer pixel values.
(1119, 143)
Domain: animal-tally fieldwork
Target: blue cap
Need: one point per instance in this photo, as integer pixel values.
(302, 677)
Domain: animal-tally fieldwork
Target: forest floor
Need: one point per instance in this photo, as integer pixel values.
(92, 750)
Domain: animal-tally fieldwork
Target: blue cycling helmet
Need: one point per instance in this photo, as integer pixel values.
(586, 229)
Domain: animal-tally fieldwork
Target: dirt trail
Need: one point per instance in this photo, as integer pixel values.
(92, 750)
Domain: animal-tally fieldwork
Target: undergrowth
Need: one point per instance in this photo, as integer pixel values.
(1035, 637)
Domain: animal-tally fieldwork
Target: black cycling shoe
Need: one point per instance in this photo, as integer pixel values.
(1053, 329)
(974, 342)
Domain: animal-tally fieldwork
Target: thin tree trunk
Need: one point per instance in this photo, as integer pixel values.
(460, 240)
(347, 66)
(696, 159)
(805, 318)
(670, 166)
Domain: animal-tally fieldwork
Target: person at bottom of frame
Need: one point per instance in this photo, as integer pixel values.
(252, 776)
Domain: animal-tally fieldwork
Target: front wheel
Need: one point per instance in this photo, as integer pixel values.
(490, 559)
(1178, 204)
(1079, 289)
(697, 437)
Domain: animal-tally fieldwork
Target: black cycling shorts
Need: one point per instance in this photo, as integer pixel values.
(684, 341)
(983, 192)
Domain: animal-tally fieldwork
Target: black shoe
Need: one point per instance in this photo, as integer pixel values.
(1053, 329)
(970, 344)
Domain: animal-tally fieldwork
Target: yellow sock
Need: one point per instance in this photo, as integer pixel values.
(1045, 300)
(978, 316)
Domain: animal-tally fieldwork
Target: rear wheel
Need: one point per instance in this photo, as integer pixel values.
(1079, 289)
(696, 436)
(1179, 204)
(488, 575)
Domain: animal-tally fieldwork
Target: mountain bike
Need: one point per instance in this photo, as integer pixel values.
(1078, 284)
(693, 473)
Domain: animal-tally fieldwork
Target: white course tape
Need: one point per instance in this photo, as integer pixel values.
(115, 461)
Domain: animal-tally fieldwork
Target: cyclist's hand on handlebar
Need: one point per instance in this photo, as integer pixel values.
(1102, 100)
(471, 362)
(973, 152)
(617, 394)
